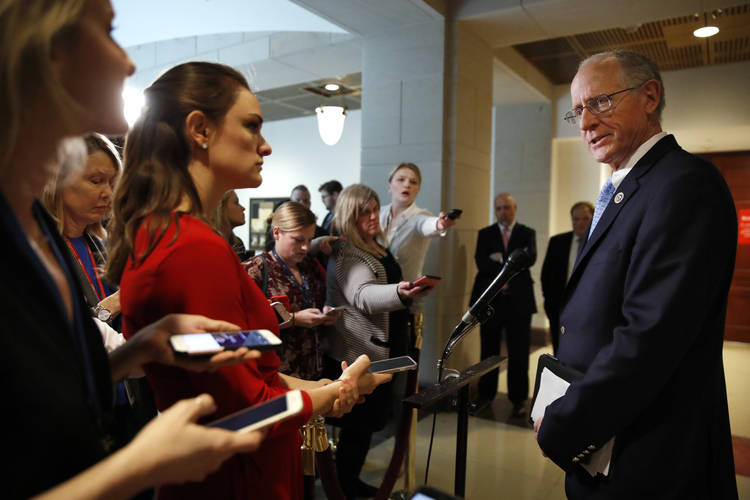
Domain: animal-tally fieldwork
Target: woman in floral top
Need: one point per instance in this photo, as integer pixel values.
(287, 269)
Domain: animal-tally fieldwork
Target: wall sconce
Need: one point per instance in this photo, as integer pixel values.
(331, 123)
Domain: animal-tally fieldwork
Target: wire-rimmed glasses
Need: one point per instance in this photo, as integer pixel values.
(597, 105)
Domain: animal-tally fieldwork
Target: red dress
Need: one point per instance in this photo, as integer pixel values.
(199, 273)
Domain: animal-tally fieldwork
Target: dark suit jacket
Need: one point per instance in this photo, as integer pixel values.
(520, 299)
(555, 272)
(643, 314)
(326, 224)
(51, 430)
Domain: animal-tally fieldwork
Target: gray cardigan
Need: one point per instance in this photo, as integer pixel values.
(357, 280)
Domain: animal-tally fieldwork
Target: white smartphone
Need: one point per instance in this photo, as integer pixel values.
(393, 365)
(263, 414)
(201, 344)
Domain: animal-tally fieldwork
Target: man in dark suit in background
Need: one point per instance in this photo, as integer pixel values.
(644, 310)
(329, 193)
(558, 264)
(513, 306)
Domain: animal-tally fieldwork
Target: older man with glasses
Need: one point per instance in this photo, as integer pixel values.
(643, 312)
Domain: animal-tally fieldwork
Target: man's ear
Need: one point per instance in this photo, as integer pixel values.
(197, 128)
(652, 90)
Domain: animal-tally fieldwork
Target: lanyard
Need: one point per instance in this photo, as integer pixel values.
(99, 286)
(304, 286)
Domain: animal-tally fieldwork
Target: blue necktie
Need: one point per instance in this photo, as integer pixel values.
(601, 203)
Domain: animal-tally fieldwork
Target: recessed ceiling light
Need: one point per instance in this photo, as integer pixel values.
(705, 31)
(332, 87)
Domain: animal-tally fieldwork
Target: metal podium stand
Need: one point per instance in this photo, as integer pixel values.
(430, 397)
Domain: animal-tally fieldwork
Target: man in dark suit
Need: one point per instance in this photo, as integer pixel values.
(643, 312)
(562, 251)
(329, 193)
(513, 306)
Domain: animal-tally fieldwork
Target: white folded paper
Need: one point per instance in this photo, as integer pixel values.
(552, 387)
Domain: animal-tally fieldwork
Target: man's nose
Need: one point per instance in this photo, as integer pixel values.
(587, 119)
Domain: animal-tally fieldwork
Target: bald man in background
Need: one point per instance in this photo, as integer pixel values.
(513, 306)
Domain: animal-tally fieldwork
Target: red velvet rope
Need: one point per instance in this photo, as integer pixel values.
(328, 477)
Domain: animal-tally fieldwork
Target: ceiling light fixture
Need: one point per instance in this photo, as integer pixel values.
(133, 102)
(706, 30)
(331, 123)
(332, 87)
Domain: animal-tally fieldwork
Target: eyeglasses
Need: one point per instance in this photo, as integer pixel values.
(598, 104)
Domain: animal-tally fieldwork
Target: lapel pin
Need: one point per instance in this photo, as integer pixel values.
(618, 197)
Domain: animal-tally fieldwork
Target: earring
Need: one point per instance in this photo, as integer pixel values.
(204, 145)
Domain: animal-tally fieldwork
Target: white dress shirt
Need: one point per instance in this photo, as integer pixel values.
(619, 174)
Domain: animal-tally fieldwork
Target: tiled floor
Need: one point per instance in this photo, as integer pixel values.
(503, 459)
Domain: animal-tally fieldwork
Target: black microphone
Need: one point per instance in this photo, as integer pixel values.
(518, 261)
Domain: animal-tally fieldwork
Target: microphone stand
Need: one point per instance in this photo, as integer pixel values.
(457, 335)
(459, 384)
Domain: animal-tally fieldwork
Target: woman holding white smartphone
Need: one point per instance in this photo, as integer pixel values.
(198, 137)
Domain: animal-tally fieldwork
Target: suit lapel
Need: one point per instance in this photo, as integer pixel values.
(621, 197)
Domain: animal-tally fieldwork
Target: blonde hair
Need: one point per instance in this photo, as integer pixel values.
(292, 216)
(72, 156)
(408, 166)
(29, 30)
(352, 202)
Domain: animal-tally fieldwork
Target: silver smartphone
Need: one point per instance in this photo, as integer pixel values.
(201, 344)
(393, 365)
(334, 310)
(263, 414)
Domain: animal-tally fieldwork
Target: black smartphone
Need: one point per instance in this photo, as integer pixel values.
(201, 344)
(454, 213)
(393, 365)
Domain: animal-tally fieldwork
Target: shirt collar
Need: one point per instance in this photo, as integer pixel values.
(619, 174)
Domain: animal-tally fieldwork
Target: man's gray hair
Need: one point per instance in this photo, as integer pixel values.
(636, 69)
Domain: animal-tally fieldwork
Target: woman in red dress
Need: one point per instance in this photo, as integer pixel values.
(198, 137)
